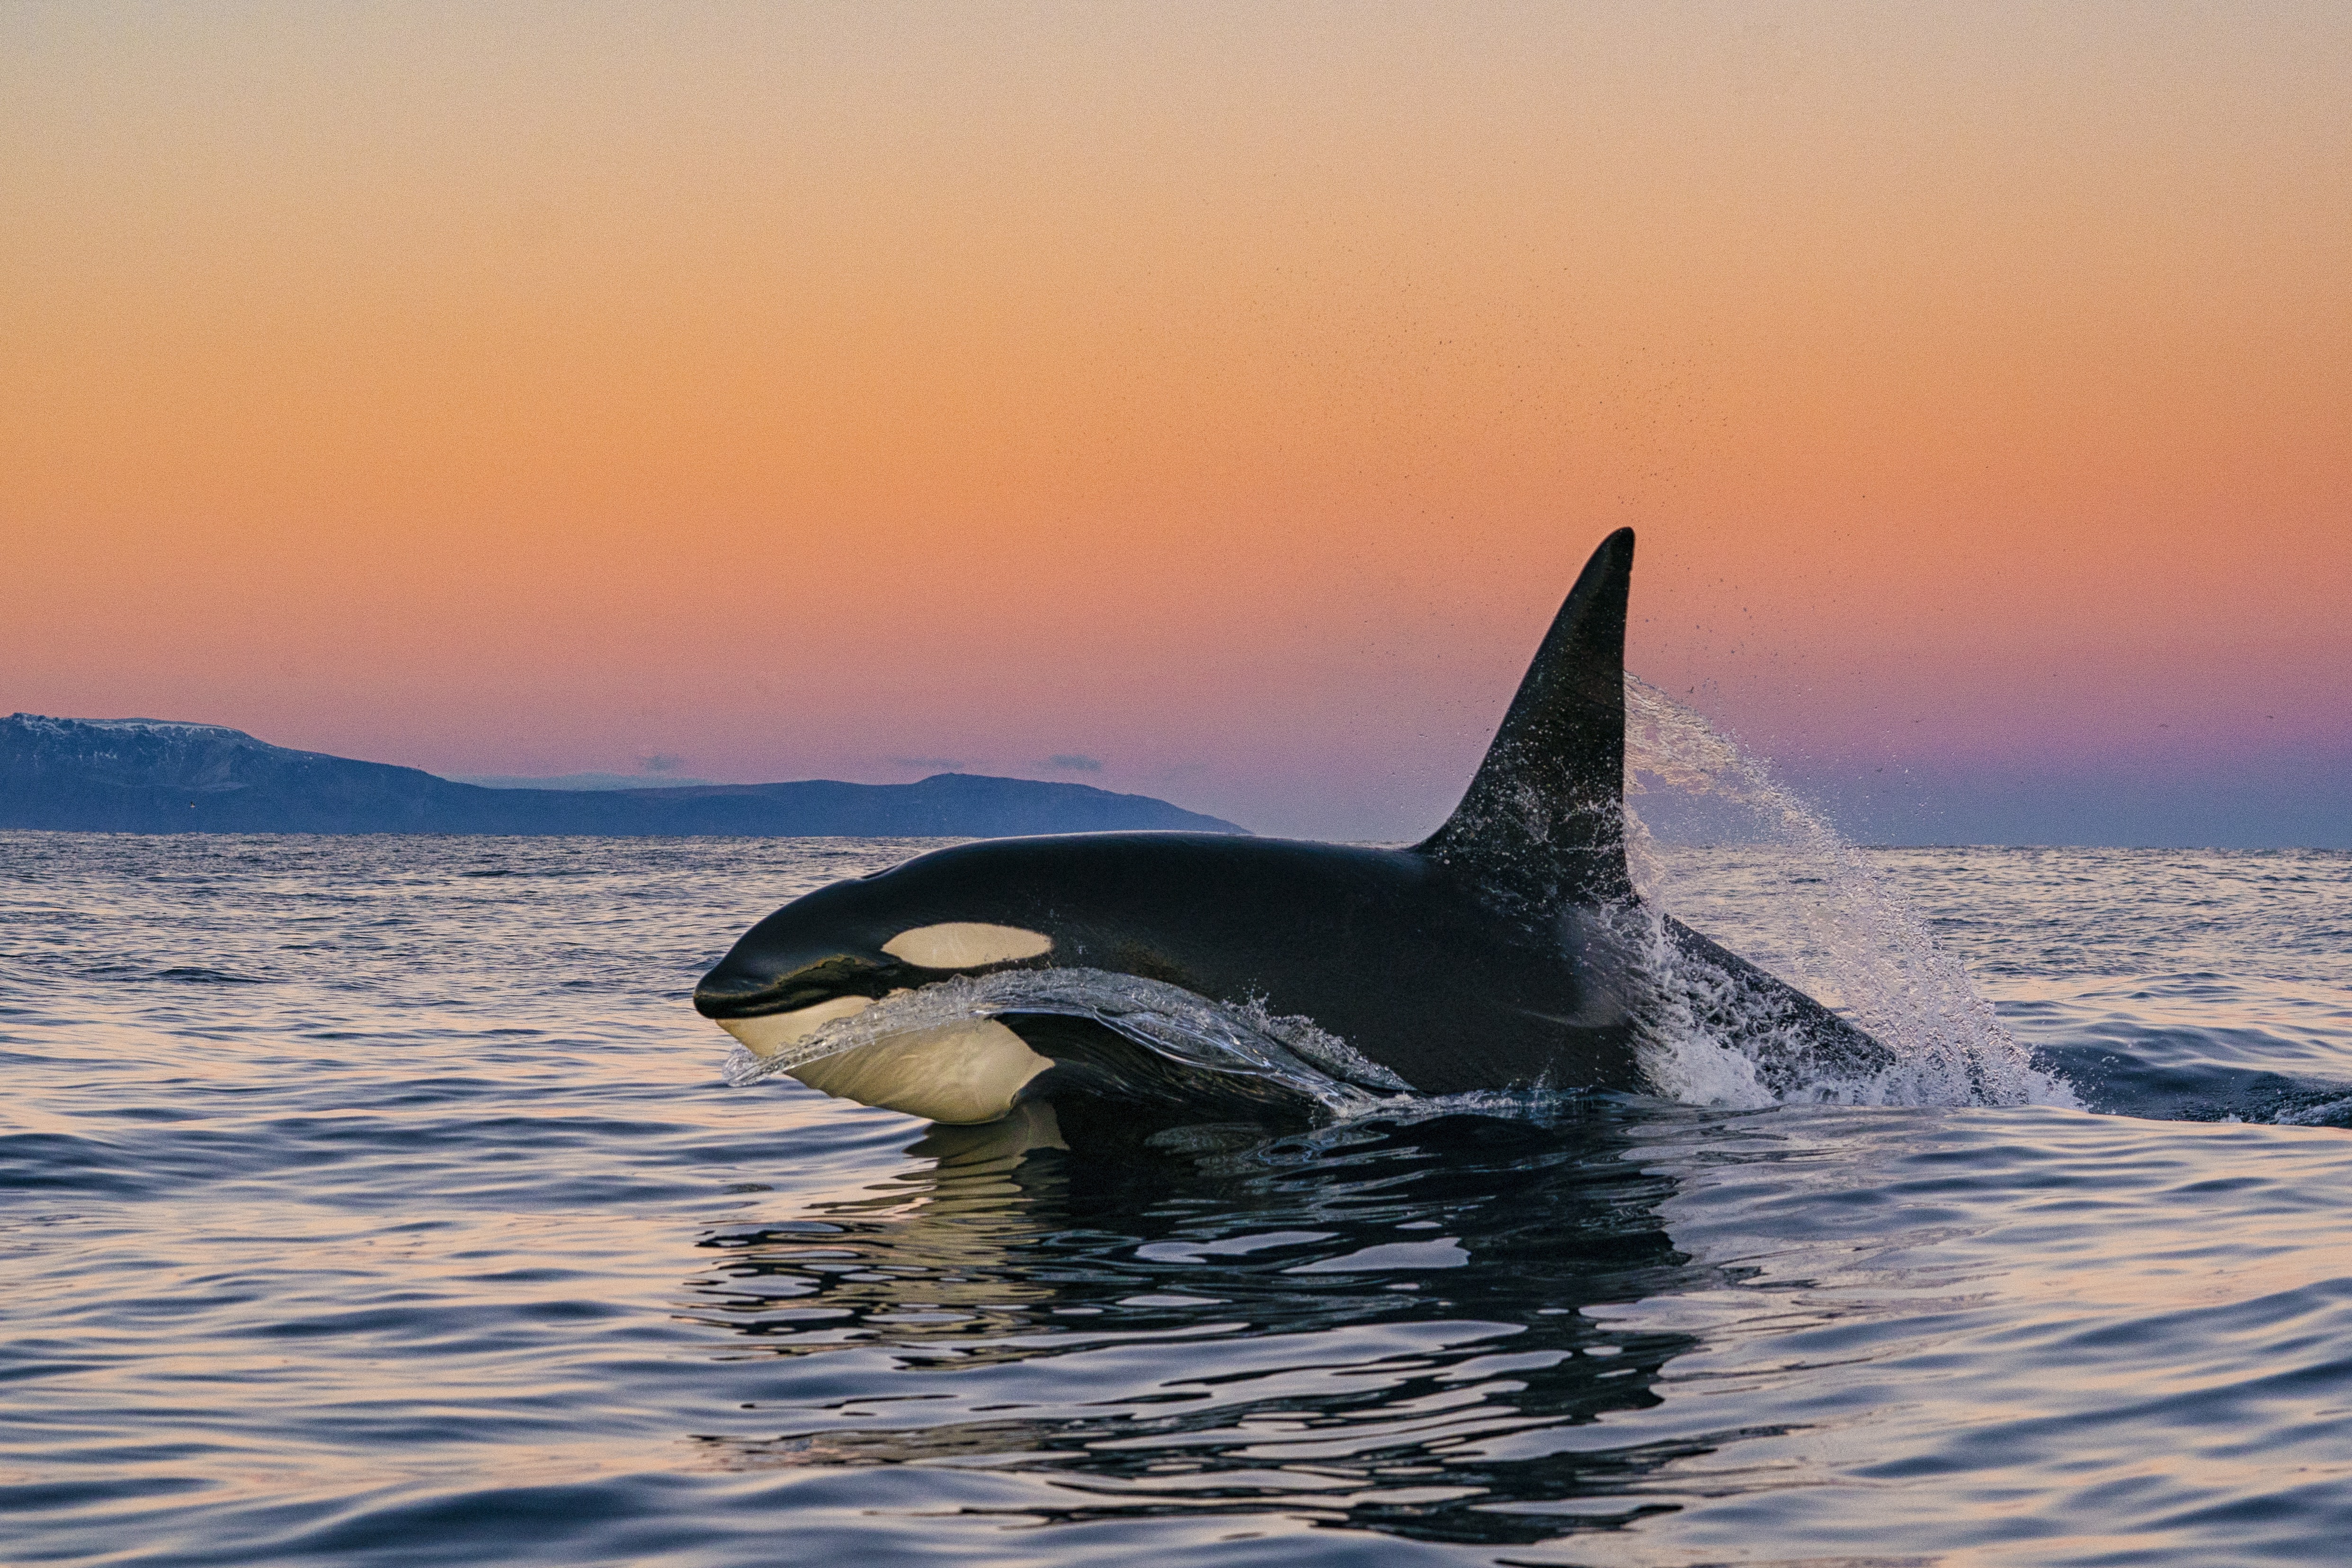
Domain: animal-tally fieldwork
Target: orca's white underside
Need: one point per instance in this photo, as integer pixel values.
(972, 1069)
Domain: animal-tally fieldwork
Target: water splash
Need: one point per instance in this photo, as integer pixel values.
(1837, 932)
(1288, 1055)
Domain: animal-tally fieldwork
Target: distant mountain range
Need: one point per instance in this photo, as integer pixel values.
(579, 780)
(151, 776)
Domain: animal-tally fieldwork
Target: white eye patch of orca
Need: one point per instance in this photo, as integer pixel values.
(965, 944)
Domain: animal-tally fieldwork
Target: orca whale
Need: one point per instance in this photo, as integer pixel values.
(1508, 949)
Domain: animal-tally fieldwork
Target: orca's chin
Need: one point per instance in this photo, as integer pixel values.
(971, 1070)
(772, 1034)
(957, 1073)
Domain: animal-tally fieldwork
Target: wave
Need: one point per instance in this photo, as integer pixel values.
(1288, 1055)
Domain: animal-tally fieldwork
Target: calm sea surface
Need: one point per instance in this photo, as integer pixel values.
(379, 1201)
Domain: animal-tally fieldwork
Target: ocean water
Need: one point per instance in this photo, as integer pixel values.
(381, 1201)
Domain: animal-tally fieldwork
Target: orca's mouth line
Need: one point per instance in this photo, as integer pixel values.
(913, 958)
(818, 985)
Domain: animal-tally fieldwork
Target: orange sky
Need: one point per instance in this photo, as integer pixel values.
(1227, 393)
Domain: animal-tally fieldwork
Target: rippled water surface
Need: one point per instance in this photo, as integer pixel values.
(381, 1201)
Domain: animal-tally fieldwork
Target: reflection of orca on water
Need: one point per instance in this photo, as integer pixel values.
(1507, 948)
(1431, 1275)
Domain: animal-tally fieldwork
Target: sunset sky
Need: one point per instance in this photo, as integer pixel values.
(1226, 394)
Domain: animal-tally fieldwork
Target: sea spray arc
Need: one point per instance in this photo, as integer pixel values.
(1173, 969)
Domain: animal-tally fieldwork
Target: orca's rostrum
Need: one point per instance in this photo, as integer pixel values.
(1180, 970)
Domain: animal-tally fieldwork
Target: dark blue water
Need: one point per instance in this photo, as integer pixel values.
(379, 1201)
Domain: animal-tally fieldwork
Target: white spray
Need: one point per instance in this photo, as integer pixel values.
(1843, 936)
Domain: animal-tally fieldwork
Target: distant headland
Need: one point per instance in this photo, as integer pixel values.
(153, 776)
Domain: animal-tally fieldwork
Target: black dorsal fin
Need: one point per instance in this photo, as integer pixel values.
(1543, 823)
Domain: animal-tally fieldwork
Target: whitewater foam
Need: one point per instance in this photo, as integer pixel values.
(1843, 937)
(1245, 1041)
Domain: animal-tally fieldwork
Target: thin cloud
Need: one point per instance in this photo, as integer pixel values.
(1074, 763)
